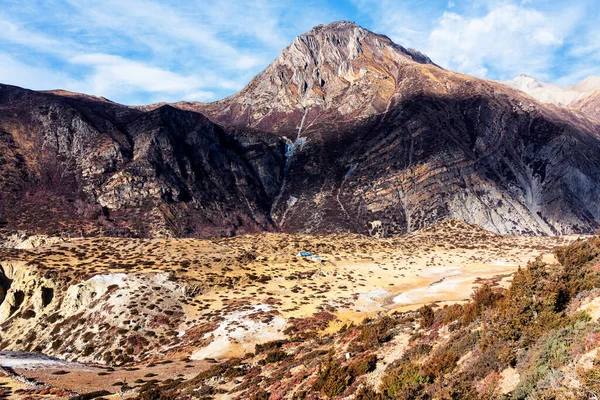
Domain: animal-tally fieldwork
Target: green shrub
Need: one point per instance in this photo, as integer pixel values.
(274, 344)
(276, 356)
(443, 361)
(403, 380)
(332, 378)
(367, 393)
(373, 334)
(362, 365)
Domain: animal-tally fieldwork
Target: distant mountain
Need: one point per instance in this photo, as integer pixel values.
(589, 105)
(550, 93)
(344, 131)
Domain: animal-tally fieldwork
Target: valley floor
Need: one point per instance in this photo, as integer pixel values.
(160, 308)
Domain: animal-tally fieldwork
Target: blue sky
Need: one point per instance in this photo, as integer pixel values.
(145, 51)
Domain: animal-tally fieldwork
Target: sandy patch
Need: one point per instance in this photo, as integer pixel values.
(240, 332)
(510, 380)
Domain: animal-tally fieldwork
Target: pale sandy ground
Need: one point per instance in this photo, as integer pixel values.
(89, 378)
(355, 286)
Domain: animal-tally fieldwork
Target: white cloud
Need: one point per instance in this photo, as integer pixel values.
(15, 33)
(190, 30)
(199, 96)
(197, 49)
(112, 73)
(166, 50)
(14, 72)
(404, 23)
(510, 39)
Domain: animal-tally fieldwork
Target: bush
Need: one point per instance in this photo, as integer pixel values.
(274, 344)
(485, 297)
(417, 352)
(362, 365)
(427, 316)
(403, 381)
(91, 395)
(372, 335)
(276, 356)
(591, 377)
(443, 361)
(332, 379)
(367, 393)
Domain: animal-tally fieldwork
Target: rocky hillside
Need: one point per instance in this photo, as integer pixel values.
(382, 140)
(344, 132)
(81, 165)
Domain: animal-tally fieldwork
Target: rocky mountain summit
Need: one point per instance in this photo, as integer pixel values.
(344, 132)
(341, 68)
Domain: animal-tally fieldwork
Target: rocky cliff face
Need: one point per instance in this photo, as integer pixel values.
(344, 131)
(341, 69)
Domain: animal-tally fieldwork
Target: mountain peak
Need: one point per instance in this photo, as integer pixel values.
(336, 25)
(346, 33)
(587, 85)
(340, 67)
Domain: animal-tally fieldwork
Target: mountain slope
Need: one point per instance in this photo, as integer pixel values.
(344, 131)
(86, 165)
(398, 142)
(589, 105)
(542, 91)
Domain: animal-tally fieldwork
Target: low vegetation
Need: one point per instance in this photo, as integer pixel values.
(528, 341)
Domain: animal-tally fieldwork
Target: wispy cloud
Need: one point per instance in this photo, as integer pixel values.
(495, 39)
(15, 72)
(138, 51)
(132, 50)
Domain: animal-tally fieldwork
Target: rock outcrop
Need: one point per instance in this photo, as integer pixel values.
(86, 320)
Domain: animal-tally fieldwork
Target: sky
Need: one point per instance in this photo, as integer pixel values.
(147, 51)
